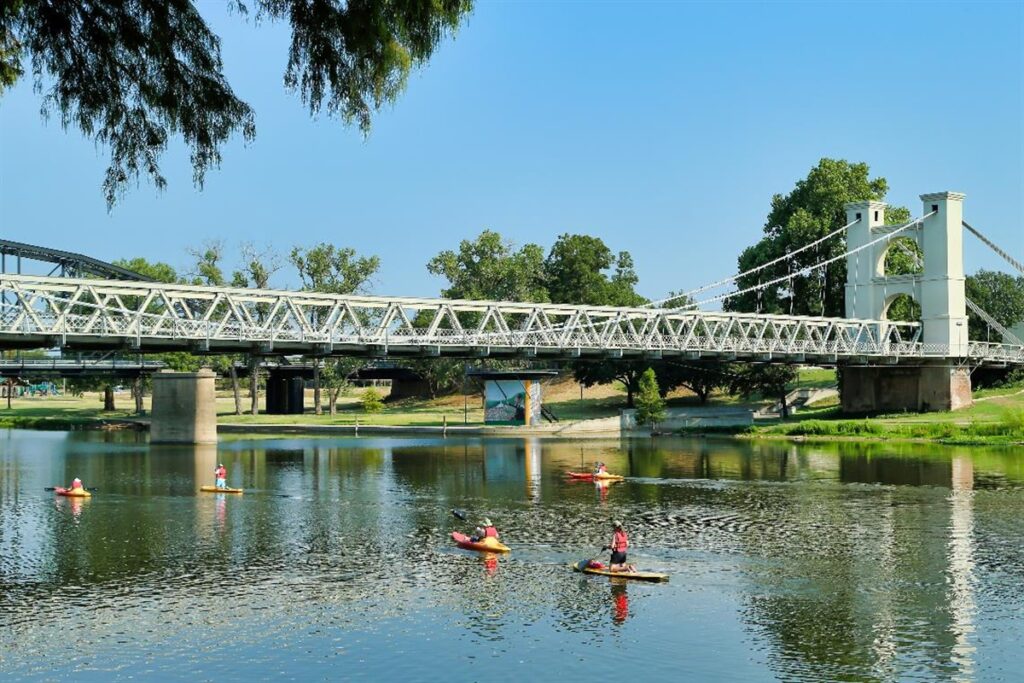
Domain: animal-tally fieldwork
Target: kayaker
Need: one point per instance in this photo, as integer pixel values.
(600, 468)
(76, 484)
(619, 545)
(484, 530)
(221, 473)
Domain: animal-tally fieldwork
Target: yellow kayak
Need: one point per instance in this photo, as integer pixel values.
(214, 489)
(72, 493)
(487, 545)
(581, 566)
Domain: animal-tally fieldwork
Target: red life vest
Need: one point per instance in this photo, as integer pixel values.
(490, 532)
(76, 484)
(620, 542)
(221, 472)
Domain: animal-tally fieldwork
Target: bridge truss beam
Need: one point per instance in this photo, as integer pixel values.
(153, 317)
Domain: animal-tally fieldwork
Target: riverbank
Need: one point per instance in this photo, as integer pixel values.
(996, 418)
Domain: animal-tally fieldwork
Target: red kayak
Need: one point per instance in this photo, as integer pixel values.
(590, 476)
(487, 545)
(71, 493)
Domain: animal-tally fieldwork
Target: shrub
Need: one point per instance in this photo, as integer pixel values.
(372, 401)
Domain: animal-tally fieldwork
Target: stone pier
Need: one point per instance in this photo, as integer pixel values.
(942, 386)
(184, 407)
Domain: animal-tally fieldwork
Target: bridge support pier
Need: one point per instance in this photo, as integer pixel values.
(184, 407)
(868, 389)
(286, 391)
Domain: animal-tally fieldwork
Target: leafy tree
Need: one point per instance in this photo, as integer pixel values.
(156, 271)
(334, 377)
(767, 380)
(998, 294)
(491, 267)
(814, 208)
(371, 400)
(441, 375)
(336, 270)
(577, 272)
(132, 75)
(628, 372)
(207, 260)
(258, 266)
(650, 406)
(700, 377)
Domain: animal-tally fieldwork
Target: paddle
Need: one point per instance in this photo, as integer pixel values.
(54, 488)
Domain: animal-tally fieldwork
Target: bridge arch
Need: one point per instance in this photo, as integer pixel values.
(901, 306)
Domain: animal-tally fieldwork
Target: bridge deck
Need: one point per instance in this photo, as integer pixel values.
(151, 317)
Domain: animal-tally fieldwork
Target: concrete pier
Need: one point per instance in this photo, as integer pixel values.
(184, 407)
(942, 386)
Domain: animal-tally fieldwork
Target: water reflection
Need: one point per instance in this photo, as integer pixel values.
(794, 562)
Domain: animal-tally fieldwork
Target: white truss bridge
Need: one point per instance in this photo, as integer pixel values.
(38, 311)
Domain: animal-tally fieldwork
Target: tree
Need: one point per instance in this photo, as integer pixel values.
(700, 377)
(998, 294)
(813, 209)
(767, 380)
(577, 272)
(581, 269)
(156, 271)
(650, 406)
(336, 270)
(371, 401)
(491, 268)
(441, 375)
(132, 75)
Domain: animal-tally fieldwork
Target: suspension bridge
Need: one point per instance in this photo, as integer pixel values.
(103, 313)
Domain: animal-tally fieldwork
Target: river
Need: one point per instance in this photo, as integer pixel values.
(796, 562)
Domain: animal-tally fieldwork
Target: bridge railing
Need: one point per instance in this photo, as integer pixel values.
(139, 315)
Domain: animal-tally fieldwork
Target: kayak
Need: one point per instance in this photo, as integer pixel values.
(214, 489)
(487, 545)
(590, 476)
(72, 493)
(581, 566)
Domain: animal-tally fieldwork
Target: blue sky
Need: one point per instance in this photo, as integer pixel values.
(663, 128)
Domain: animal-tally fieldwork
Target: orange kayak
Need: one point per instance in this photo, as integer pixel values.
(487, 545)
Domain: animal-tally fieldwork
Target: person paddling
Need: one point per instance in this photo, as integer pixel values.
(221, 473)
(484, 530)
(600, 468)
(76, 485)
(620, 542)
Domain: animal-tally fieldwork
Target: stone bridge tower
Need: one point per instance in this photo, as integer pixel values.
(943, 384)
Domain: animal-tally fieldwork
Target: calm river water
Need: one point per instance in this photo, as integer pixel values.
(852, 562)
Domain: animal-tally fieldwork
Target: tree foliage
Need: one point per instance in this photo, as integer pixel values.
(767, 380)
(133, 74)
(335, 270)
(998, 294)
(490, 267)
(581, 269)
(814, 208)
(154, 270)
(650, 406)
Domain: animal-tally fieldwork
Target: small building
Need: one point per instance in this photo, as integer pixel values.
(512, 397)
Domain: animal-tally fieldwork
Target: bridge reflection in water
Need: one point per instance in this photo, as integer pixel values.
(825, 561)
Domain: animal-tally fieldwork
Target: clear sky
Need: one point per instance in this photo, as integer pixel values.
(663, 128)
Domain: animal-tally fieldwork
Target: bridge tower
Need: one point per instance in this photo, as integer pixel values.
(944, 384)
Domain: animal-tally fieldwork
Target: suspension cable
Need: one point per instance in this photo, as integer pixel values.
(719, 283)
(991, 245)
(809, 269)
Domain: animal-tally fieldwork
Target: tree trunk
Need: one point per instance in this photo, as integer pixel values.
(317, 408)
(236, 389)
(108, 397)
(254, 385)
(137, 392)
(332, 394)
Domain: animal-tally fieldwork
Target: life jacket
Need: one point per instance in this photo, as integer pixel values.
(490, 532)
(76, 484)
(602, 469)
(620, 542)
(221, 472)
